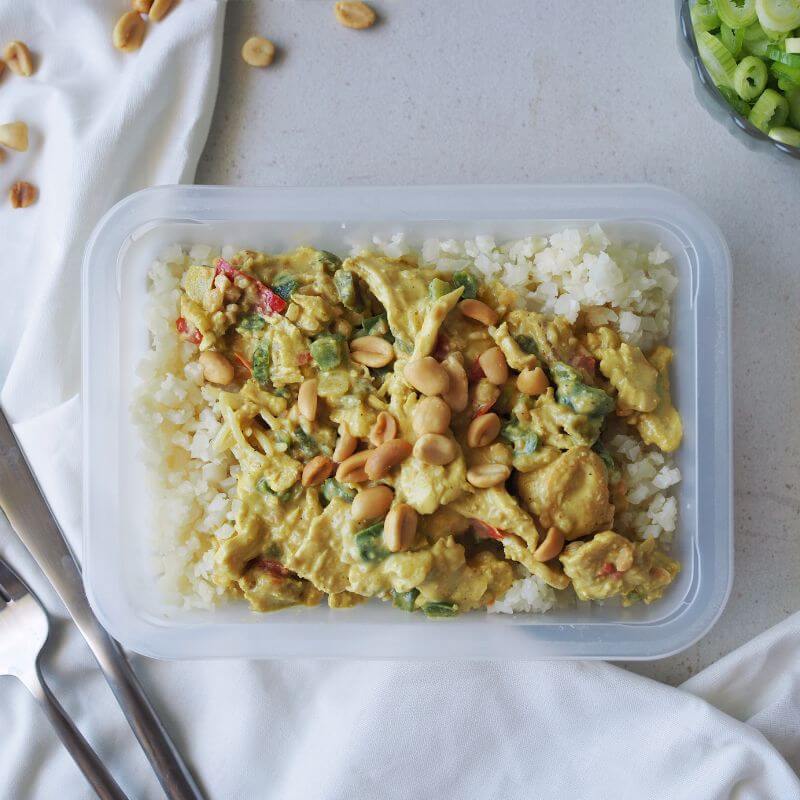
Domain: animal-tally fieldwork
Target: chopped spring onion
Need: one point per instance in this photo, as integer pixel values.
(755, 63)
(736, 13)
(786, 135)
(253, 322)
(329, 259)
(736, 102)
(346, 287)
(704, 17)
(332, 488)
(327, 351)
(306, 443)
(528, 344)
(438, 288)
(717, 58)
(369, 543)
(405, 600)
(261, 363)
(781, 16)
(750, 78)
(793, 97)
(770, 111)
(439, 609)
(468, 282)
(285, 286)
(776, 54)
(732, 38)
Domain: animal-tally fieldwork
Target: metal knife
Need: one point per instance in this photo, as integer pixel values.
(30, 516)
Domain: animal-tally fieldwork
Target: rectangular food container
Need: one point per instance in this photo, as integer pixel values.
(117, 573)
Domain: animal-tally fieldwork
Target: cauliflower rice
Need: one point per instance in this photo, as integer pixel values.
(623, 285)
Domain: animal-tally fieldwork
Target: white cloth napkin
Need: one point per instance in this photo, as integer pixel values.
(104, 124)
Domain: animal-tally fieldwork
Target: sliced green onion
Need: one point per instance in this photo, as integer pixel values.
(261, 364)
(469, 283)
(717, 58)
(306, 443)
(755, 41)
(327, 351)
(776, 54)
(736, 13)
(405, 600)
(785, 72)
(438, 288)
(786, 135)
(369, 543)
(778, 15)
(332, 488)
(792, 45)
(439, 609)
(736, 102)
(793, 98)
(704, 17)
(732, 39)
(285, 286)
(346, 288)
(750, 78)
(252, 322)
(770, 111)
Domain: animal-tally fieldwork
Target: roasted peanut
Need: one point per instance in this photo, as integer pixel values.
(141, 6)
(14, 135)
(371, 351)
(384, 458)
(485, 475)
(371, 503)
(431, 415)
(18, 58)
(22, 194)
(551, 545)
(494, 365)
(159, 9)
(129, 32)
(483, 430)
(384, 429)
(433, 448)
(351, 470)
(216, 368)
(532, 381)
(400, 527)
(427, 376)
(479, 311)
(307, 399)
(258, 52)
(457, 394)
(316, 471)
(354, 14)
(345, 445)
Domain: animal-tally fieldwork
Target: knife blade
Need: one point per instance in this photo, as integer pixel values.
(24, 505)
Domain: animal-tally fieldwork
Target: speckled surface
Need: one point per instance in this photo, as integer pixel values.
(513, 92)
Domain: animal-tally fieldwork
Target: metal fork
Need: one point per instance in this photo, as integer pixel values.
(24, 626)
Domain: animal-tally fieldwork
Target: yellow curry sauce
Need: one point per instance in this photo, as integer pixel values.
(417, 436)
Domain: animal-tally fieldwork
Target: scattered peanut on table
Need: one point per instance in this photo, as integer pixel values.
(129, 32)
(22, 194)
(354, 14)
(258, 51)
(18, 58)
(14, 135)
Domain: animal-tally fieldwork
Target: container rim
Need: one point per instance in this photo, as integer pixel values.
(132, 216)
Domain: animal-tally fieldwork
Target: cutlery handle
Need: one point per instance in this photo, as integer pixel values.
(87, 760)
(30, 516)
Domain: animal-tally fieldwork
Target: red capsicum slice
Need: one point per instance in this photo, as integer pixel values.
(268, 301)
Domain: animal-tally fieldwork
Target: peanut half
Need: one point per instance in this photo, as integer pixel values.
(129, 32)
(371, 351)
(18, 58)
(400, 527)
(22, 194)
(14, 135)
(354, 14)
(258, 51)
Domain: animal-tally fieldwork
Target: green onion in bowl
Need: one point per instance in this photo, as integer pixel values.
(751, 51)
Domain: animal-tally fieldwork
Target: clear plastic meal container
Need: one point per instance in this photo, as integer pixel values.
(117, 559)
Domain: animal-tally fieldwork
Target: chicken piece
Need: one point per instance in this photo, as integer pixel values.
(286, 343)
(516, 357)
(434, 317)
(559, 426)
(313, 313)
(662, 427)
(610, 565)
(626, 368)
(570, 494)
(268, 586)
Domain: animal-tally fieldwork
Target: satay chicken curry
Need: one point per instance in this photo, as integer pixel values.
(419, 436)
